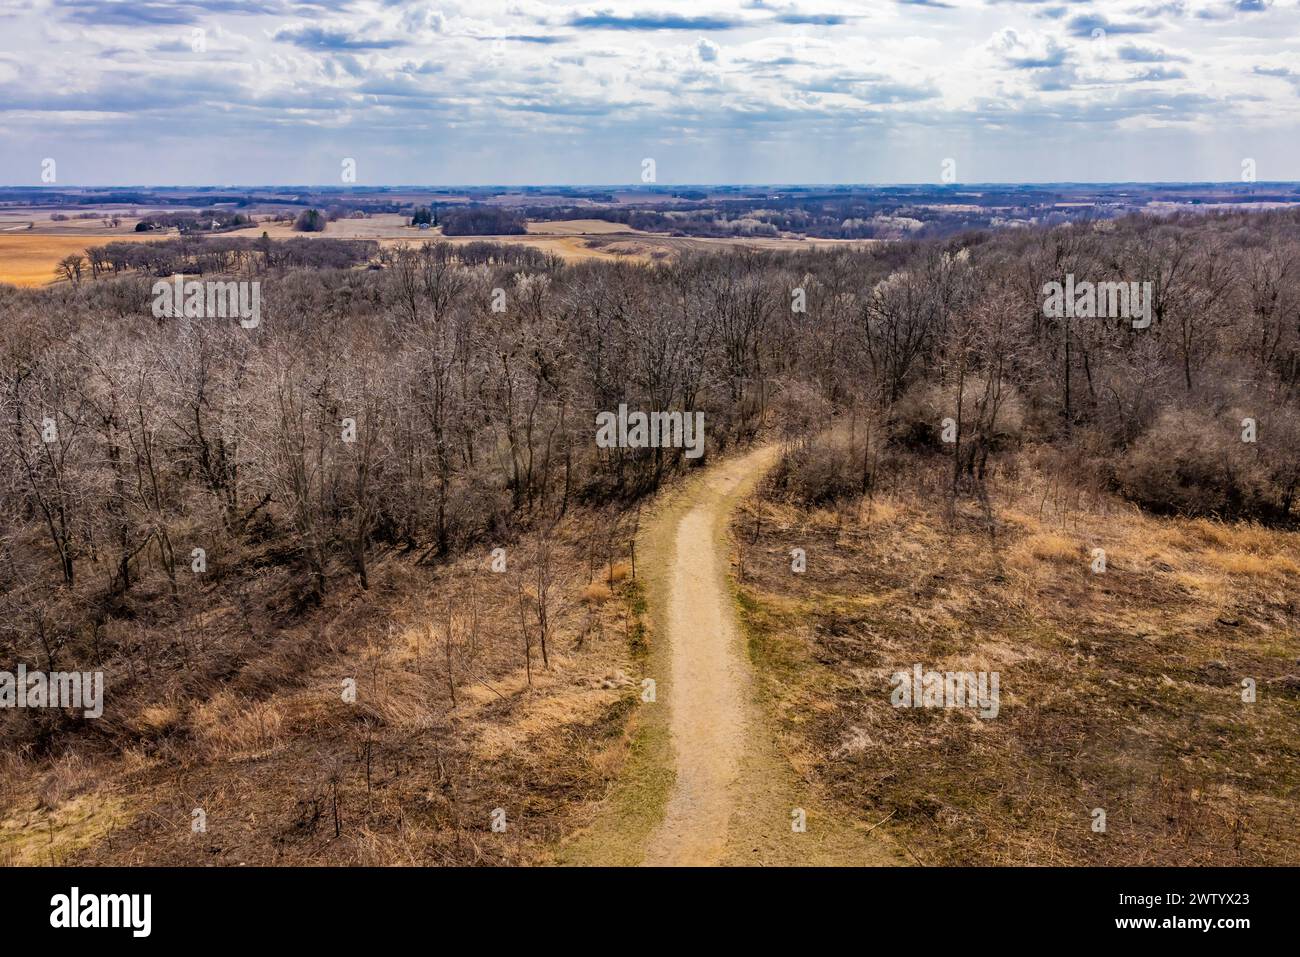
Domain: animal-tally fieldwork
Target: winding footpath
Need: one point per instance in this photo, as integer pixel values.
(709, 681)
(732, 794)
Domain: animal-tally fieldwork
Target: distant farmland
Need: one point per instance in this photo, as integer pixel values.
(30, 259)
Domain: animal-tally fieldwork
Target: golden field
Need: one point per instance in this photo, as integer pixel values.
(30, 258)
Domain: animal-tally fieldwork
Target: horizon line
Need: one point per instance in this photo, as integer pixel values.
(647, 187)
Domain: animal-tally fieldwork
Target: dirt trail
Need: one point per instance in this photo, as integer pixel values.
(733, 794)
(710, 687)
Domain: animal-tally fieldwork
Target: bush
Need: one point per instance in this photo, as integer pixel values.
(823, 470)
(309, 221)
(918, 416)
(1193, 463)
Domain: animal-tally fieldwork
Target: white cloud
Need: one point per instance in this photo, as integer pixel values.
(459, 92)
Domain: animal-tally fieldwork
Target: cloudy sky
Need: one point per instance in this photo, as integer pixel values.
(543, 91)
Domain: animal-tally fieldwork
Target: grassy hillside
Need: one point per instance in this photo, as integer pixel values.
(1120, 690)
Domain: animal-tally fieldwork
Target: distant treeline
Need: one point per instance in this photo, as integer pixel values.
(822, 218)
(215, 255)
(226, 254)
(488, 253)
(914, 212)
(482, 221)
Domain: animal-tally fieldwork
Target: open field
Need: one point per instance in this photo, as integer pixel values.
(566, 239)
(576, 239)
(384, 226)
(30, 258)
(40, 219)
(1120, 691)
(577, 227)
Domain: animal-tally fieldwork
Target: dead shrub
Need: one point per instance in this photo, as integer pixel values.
(1193, 463)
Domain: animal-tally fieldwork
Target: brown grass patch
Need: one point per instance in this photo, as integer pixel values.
(541, 715)
(1050, 547)
(447, 723)
(33, 836)
(230, 727)
(1118, 690)
(1246, 563)
(158, 719)
(597, 593)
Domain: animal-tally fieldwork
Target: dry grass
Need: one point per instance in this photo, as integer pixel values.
(230, 727)
(447, 724)
(1248, 564)
(542, 714)
(159, 719)
(1119, 690)
(33, 836)
(1050, 547)
(597, 593)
